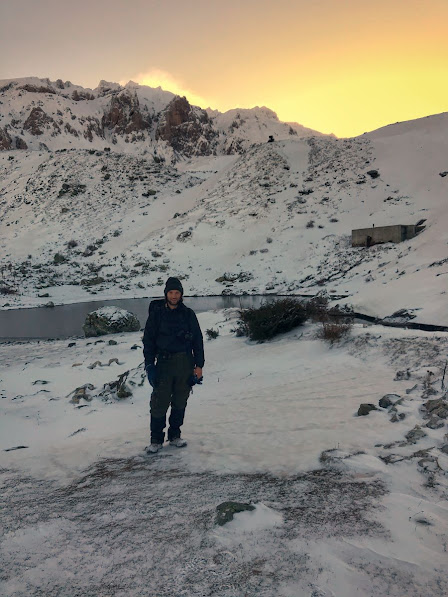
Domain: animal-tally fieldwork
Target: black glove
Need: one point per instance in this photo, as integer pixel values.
(151, 374)
(194, 379)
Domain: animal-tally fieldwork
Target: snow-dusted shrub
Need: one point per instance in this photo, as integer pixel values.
(7, 290)
(212, 334)
(271, 319)
(317, 307)
(333, 331)
(59, 258)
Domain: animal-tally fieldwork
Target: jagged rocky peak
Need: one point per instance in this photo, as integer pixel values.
(105, 87)
(187, 129)
(125, 114)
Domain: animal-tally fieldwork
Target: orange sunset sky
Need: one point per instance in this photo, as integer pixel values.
(337, 66)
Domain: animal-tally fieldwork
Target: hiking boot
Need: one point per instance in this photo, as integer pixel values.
(153, 448)
(178, 442)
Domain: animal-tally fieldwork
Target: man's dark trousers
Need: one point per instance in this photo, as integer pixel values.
(172, 388)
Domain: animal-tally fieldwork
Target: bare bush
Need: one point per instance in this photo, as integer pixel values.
(334, 331)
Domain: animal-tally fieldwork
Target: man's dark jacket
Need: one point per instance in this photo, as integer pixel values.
(170, 331)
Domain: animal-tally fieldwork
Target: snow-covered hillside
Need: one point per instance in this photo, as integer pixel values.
(272, 217)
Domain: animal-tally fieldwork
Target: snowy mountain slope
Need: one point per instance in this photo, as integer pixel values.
(276, 217)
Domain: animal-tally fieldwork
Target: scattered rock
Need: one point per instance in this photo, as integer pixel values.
(78, 431)
(49, 305)
(117, 389)
(429, 464)
(71, 344)
(402, 375)
(15, 448)
(437, 407)
(435, 422)
(112, 343)
(365, 409)
(396, 417)
(392, 458)
(40, 382)
(183, 236)
(388, 400)
(443, 174)
(444, 449)
(401, 316)
(415, 434)
(373, 173)
(410, 390)
(100, 364)
(423, 521)
(82, 393)
(110, 320)
(227, 510)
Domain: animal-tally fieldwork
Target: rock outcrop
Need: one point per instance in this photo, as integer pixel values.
(38, 120)
(5, 140)
(125, 114)
(188, 130)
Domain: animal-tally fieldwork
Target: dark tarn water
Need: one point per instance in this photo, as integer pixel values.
(65, 321)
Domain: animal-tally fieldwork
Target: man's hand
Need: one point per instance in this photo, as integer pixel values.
(151, 373)
(196, 378)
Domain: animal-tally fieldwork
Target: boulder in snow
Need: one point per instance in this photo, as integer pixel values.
(365, 408)
(110, 320)
(415, 434)
(226, 511)
(437, 408)
(388, 400)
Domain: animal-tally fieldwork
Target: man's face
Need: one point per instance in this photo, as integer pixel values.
(173, 297)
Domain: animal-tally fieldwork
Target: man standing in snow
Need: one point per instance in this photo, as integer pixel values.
(174, 356)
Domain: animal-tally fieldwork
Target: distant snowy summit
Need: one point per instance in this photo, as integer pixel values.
(39, 114)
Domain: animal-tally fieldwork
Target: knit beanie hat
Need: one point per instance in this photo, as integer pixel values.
(173, 284)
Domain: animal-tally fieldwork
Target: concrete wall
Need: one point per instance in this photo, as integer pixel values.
(365, 237)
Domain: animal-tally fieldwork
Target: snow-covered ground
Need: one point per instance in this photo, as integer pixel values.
(345, 505)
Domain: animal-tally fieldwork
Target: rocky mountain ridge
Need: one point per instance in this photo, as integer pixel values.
(38, 114)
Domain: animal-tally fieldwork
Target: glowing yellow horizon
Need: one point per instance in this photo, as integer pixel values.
(335, 66)
(342, 67)
(346, 107)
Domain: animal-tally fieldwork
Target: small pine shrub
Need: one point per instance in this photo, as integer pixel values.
(271, 319)
(59, 258)
(310, 224)
(212, 334)
(7, 290)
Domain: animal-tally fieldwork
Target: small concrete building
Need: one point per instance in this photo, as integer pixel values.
(366, 237)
